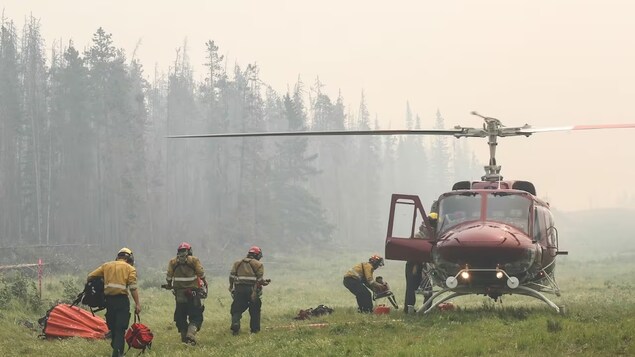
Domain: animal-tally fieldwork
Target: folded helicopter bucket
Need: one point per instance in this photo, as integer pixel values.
(65, 320)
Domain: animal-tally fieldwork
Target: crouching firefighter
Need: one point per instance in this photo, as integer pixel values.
(360, 278)
(245, 284)
(186, 277)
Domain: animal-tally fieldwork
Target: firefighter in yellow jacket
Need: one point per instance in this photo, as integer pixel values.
(187, 277)
(119, 276)
(360, 278)
(246, 280)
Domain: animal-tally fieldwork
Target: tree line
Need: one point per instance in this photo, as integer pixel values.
(85, 158)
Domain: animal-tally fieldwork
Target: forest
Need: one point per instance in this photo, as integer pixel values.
(85, 157)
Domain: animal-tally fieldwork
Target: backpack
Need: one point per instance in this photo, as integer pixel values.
(139, 335)
(93, 295)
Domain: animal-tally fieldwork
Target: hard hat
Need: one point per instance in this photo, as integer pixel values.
(433, 215)
(124, 250)
(185, 246)
(255, 251)
(126, 253)
(376, 260)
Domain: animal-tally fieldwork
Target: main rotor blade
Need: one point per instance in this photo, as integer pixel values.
(529, 131)
(455, 132)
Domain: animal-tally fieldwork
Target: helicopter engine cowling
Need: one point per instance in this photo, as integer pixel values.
(482, 249)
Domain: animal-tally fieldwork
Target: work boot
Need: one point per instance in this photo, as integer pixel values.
(190, 336)
(235, 327)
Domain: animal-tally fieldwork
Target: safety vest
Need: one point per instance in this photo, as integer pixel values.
(185, 274)
(247, 271)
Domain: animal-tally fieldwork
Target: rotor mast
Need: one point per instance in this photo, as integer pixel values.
(492, 130)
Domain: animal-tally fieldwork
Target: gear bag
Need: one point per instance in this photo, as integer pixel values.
(93, 295)
(139, 335)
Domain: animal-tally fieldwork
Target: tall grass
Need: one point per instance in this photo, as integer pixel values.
(600, 319)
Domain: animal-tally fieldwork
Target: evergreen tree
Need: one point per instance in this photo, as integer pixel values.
(183, 158)
(111, 96)
(10, 120)
(302, 218)
(34, 140)
(440, 160)
(73, 142)
(156, 153)
(332, 159)
(364, 180)
(412, 163)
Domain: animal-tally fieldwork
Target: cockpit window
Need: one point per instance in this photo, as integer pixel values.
(509, 208)
(459, 208)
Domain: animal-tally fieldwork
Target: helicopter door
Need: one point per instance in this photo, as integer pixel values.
(406, 211)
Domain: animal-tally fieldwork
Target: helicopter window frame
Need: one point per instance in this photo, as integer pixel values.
(550, 233)
(539, 232)
(458, 212)
(501, 208)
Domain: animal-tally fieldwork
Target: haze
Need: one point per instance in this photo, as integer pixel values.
(540, 62)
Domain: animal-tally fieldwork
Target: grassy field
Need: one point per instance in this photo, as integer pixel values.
(600, 319)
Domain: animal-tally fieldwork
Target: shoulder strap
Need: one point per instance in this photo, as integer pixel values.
(245, 260)
(178, 264)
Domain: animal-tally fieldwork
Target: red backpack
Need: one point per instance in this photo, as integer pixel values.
(139, 335)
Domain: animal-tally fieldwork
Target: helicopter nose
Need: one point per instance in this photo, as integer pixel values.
(484, 234)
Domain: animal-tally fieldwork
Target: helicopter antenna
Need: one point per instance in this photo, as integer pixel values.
(491, 128)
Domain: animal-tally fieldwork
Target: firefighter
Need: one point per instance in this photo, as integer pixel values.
(246, 280)
(120, 276)
(360, 278)
(415, 273)
(186, 277)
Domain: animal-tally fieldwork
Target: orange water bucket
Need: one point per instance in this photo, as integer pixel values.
(381, 310)
(446, 306)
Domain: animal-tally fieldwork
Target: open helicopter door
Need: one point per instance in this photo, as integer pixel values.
(406, 211)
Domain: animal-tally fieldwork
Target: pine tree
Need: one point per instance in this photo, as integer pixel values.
(73, 141)
(112, 97)
(302, 218)
(10, 119)
(34, 141)
(440, 160)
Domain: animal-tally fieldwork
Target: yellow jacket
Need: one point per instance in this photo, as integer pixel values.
(246, 271)
(118, 275)
(185, 275)
(364, 272)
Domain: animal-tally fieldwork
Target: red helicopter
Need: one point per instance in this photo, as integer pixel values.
(493, 237)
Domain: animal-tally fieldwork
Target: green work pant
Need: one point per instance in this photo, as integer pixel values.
(243, 301)
(117, 319)
(188, 313)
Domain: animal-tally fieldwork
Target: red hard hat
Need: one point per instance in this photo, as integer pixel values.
(184, 245)
(376, 260)
(254, 250)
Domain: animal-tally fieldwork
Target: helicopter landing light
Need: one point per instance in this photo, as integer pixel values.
(451, 282)
(513, 282)
(465, 275)
(499, 274)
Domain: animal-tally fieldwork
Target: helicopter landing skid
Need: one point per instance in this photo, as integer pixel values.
(430, 304)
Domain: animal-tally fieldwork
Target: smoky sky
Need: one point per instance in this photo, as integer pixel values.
(539, 62)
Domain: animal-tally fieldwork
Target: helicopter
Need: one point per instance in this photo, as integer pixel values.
(493, 237)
